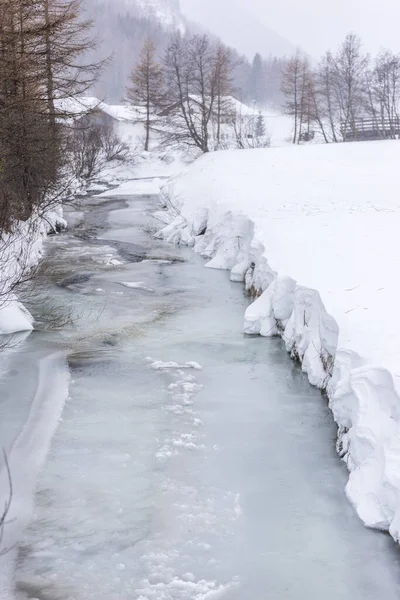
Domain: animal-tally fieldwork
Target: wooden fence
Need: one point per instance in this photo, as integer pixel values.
(371, 129)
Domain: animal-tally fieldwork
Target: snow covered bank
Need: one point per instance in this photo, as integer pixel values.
(313, 233)
(20, 252)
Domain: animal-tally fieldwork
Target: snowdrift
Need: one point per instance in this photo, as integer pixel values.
(313, 234)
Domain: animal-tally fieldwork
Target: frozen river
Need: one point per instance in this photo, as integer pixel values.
(164, 480)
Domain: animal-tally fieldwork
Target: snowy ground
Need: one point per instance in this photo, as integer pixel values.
(316, 229)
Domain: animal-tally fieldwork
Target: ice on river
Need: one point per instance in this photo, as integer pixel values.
(192, 462)
(24, 457)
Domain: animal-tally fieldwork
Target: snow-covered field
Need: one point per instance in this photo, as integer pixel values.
(316, 230)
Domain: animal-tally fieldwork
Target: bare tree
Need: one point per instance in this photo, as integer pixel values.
(334, 97)
(383, 87)
(224, 88)
(86, 147)
(190, 67)
(66, 42)
(307, 106)
(114, 147)
(146, 88)
(40, 45)
(349, 68)
(298, 86)
(291, 86)
(326, 99)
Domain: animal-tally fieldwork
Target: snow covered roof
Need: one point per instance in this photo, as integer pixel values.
(123, 112)
(82, 104)
(77, 105)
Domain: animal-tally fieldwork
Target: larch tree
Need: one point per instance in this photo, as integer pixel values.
(296, 85)
(224, 88)
(146, 88)
(307, 107)
(65, 40)
(40, 47)
(290, 86)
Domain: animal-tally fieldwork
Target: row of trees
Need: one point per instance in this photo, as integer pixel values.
(346, 88)
(41, 43)
(187, 97)
(263, 82)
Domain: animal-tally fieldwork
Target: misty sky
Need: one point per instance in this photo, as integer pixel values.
(316, 25)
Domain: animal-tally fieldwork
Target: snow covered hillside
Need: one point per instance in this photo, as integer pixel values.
(166, 12)
(313, 231)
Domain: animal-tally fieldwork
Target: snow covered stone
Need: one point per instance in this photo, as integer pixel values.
(14, 317)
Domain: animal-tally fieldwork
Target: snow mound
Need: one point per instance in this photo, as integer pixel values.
(312, 232)
(159, 365)
(14, 317)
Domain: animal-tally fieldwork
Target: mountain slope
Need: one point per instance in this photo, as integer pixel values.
(165, 12)
(238, 27)
(121, 27)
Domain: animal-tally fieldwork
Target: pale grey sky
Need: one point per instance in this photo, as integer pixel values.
(315, 25)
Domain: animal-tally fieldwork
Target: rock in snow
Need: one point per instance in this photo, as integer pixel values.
(14, 317)
(313, 233)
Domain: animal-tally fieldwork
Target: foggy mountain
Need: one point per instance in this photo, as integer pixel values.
(122, 26)
(165, 12)
(237, 27)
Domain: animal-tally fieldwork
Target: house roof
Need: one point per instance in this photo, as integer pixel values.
(82, 104)
(77, 105)
(231, 104)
